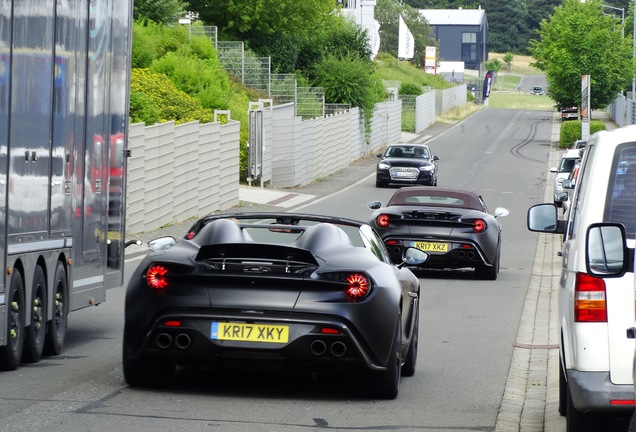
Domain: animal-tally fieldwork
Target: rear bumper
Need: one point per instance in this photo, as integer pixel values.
(593, 392)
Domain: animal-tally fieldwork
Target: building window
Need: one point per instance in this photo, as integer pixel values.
(469, 47)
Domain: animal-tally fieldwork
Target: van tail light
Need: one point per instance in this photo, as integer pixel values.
(589, 299)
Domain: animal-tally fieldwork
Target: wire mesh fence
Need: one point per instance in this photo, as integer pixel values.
(257, 72)
(208, 31)
(232, 56)
(310, 102)
(283, 88)
(408, 112)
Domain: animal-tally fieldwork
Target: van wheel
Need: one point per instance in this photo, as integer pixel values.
(35, 333)
(56, 330)
(563, 388)
(576, 421)
(11, 353)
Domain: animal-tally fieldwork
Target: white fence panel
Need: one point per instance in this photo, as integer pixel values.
(424, 111)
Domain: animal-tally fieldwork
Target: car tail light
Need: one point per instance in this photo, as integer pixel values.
(589, 299)
(479, 225)
(172, 323)
(329, 330)
(383, 220)
(156, 277)
(358, 285)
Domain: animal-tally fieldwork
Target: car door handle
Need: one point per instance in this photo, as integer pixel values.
(413, 294)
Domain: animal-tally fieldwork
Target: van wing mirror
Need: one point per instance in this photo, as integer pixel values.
(606, 252)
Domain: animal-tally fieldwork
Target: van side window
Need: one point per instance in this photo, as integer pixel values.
(621, 194)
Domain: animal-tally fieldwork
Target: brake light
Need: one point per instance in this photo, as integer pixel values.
(589, 299)
(172, 323)
(358, 285)
(383, 220)
(479, 225)
(329, 330)
(156, 277)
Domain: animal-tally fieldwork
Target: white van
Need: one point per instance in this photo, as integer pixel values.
(596, 308)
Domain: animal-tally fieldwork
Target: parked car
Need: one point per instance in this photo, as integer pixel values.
(568, 187)
(406, 164)
(453, 226)
(566, 165)
(571, 113)
(537, 91)
(282, 290)
(596, 301)
(473, 89)
(579, 144)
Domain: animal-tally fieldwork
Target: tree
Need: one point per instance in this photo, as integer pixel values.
(387, 13)
(158, 11)
(507, 25)
(508, 58)
(579, 39)
(242, 19)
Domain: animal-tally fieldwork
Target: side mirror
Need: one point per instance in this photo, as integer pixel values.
(414, 256)
(374, 205)
(435, 158)
(567, 184)
(553, 169)
(562, 197)
(606, 250)
(379, 155)
(543, 218)
(161, 243)
(501, 212)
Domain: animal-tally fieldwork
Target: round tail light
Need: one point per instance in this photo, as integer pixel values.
(156, 277)
(479, 225)
(358, 285)
(383, 220)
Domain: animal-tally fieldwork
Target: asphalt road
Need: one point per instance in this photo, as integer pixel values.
(469, 329)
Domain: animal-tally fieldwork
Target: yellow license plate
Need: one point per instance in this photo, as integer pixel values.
(431, 246)
(249, 332)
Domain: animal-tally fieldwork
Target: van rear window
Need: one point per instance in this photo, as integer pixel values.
(622, 208)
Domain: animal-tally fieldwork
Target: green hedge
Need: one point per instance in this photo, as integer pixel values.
(571, 131)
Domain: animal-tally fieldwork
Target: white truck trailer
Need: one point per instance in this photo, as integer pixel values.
(64, 80)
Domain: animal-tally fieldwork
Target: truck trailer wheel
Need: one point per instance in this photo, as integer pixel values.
(35, 333)
(56, 328)
(11, 353)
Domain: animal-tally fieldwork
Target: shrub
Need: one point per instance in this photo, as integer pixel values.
(160, 94)
(205, 79)
(571, 131)
(410, 89)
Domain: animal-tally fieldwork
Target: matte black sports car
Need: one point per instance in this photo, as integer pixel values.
(453, 226)
(299, 291)
(406, 164)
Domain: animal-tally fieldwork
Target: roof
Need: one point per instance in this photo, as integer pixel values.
(445, 197)
(454, 16)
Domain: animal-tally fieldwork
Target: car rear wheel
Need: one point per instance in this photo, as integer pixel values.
(408, 368)
(146, 373)
(386, 384)
(489, 272)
